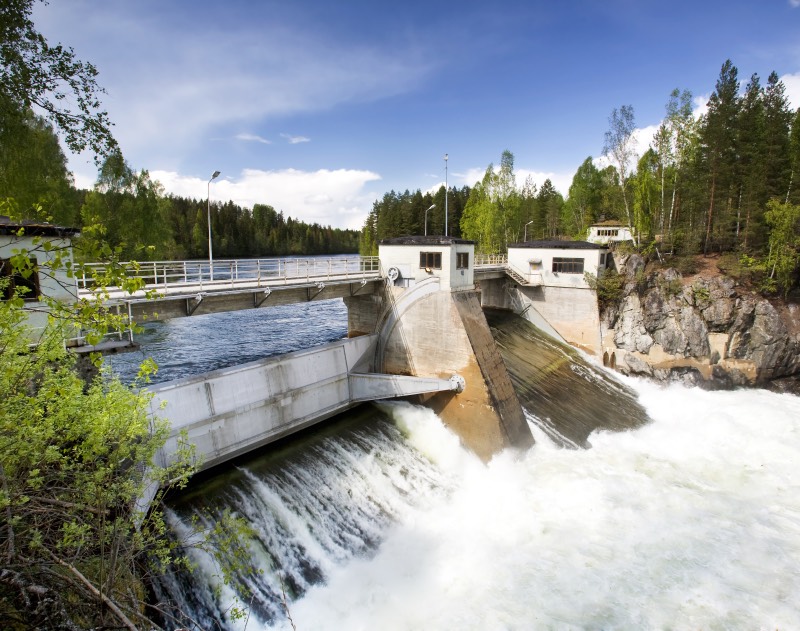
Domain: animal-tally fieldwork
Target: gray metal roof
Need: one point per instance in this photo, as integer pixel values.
(559, 245)
(35, 228)
(425, 240)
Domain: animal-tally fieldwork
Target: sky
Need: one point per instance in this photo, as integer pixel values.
(319, 108)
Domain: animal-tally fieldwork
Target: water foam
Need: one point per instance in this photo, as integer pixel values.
(692, 521)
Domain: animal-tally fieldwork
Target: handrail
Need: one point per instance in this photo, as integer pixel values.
(230, 273)
(491, 260)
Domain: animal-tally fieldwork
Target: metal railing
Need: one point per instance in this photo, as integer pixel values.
(232, 273)
(491, 260)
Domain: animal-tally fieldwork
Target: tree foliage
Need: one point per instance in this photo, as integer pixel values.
(399, 214)
(784, 242)
(498, 212)
(620, 150)
(33, 168)
(74, 459)
(34, 73)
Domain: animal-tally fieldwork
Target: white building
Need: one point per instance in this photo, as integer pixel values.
(557, 263)
(410, 260)
(29, 236)
(609, 232)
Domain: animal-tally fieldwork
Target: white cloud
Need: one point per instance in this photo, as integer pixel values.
(794, 3)
(294, 140)
(170, 86)
(792, 82)
(561, 181)
(253, 138)
(327, 197)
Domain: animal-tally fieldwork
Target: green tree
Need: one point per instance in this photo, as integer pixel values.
(51, 78)
(73, 540)
(33, 168)
(493, 215)
(126, 211)
(582, 206)
(682, 135)
(550, 204)
(751, 165)
(479, 222)
(784, 243)
(620, 149)
(794, 158)
(720, 149)
(647, 193)
(777, 125)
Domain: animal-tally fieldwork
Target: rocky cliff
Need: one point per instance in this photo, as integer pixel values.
(703, 330)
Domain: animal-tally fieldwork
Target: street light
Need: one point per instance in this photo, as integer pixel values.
(426, 217)
(445, 194)
(210, 255)
(525, 238)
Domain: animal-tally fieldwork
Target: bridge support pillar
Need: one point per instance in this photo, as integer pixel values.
(363, 312)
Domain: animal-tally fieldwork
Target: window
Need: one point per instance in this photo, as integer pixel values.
(568, 266)
(431, 260)
(18, 281)
(462, 260)
(604, 232)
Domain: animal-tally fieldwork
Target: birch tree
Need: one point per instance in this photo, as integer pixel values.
(620, 149)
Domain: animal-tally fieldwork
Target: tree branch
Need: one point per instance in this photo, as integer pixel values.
(96, 592)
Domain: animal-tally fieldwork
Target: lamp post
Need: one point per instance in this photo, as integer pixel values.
(525, 238)
(210, 255)
(445, 194)
(426, 217)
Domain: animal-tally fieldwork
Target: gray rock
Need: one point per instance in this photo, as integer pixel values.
(630, 333)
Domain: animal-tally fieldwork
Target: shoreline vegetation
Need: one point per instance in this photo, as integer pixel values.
(724, 183)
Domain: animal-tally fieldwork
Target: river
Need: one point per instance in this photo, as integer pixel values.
(685, 518)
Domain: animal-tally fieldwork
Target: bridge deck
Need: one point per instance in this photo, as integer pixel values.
(169, 280)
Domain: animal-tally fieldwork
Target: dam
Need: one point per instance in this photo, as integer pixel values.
(379, 518)
(420, 332)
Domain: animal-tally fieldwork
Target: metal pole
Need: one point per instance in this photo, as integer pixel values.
(525, 238)
(210, 254)
(431, 207)
(445, 194)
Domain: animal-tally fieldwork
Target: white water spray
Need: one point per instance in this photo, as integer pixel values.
(690, 522)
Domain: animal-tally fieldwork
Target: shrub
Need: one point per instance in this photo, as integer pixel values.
(608, 285)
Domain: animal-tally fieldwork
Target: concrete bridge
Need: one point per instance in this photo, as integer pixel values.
(175, 289)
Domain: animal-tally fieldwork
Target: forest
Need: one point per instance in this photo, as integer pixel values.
(722, 182)
(130, 213)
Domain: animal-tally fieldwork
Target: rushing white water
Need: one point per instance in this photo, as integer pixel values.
(690, 522)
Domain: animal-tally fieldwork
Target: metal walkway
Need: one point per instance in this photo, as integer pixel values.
(187, 279)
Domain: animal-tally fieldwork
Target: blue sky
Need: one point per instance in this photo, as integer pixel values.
(320, 107)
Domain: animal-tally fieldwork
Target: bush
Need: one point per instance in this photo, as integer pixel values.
(685, 265)
(608, 285)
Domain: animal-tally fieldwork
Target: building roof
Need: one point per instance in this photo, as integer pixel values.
(425, 240)
(611, 223)
(558, 245)
(10, 226)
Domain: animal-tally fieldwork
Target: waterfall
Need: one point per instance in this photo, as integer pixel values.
(683, 514)
(314, 503)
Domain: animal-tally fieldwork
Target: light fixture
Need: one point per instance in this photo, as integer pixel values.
(210, 254)
(445, 194)
(432, 206)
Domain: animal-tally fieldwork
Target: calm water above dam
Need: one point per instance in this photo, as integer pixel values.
(380, 520)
